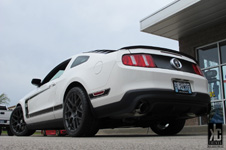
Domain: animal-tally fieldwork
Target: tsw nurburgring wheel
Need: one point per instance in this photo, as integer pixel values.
(78, 119)
(167, 127)
(73, 111)
(17, 124)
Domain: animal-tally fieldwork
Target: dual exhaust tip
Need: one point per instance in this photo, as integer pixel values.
(142, 108)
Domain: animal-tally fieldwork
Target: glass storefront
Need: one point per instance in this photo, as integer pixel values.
(212, 61)
(224, 79)
(214, 84)
(223, 52)
(216, 114)
(208, 56)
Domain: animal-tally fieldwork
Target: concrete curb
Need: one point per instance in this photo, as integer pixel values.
(193, 130)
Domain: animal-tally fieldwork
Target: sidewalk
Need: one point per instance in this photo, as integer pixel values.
(193, 130)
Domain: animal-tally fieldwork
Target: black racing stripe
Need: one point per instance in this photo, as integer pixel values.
(44, 111)
(30, 98)
(37, 94)
(58, 107)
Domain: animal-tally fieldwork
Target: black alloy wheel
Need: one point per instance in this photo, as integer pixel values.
(78, 119)
(73, 111)
(17, 124)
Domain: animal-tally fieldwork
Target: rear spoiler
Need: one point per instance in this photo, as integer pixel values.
(158, 48)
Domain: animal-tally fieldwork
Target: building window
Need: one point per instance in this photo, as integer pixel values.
(216, 114)
(208, 56)
(212, 60)
(223, 52)
(214, 83)
(224, 79)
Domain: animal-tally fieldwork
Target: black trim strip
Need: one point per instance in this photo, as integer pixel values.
(38, 93)
(58, 107)
(44, 111)
(47, 125)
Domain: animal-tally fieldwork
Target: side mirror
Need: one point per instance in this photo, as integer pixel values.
(36, 82)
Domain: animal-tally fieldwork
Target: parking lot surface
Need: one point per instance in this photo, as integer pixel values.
(106, 142)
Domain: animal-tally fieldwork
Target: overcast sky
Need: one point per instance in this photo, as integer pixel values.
(36, 35)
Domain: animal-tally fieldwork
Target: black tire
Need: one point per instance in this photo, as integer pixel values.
(44, 133)
(167, 127)
(77, 117)
(9, 132)
(17, 124)
(58, 133)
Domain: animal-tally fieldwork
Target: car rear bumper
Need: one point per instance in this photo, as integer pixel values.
(157, 102)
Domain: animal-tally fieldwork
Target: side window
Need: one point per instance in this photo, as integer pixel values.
(56, 72)
(57, 75)
(79, 60)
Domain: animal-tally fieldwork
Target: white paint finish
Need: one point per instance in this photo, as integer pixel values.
(98, 67)
(114, 75)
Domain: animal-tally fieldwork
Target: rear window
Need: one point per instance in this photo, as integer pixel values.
(79, 60)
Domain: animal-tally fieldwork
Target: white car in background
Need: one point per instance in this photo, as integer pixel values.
(137, 86)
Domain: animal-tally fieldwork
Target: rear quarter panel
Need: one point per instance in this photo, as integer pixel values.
(93, 75)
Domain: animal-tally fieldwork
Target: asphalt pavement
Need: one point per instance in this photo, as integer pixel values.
(191, 138)
(106, 142)
(189, 130)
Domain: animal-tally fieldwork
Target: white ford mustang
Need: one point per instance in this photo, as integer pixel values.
(138, 86)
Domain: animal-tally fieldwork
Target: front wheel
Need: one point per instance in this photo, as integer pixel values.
(18, 126)
(167, 127)
(77, 116)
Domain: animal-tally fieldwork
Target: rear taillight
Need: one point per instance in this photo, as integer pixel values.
(197, 69)
(139, 60)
